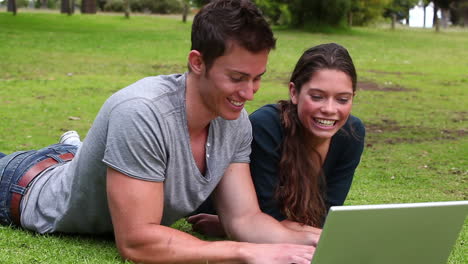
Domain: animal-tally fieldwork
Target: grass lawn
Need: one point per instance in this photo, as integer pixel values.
(57, 70)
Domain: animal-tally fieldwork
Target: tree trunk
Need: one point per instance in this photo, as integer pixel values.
(64, 6)
(12, 6)
(127, 8)
(435, 21)
(350, 19)
(464, 17)
(445, 17)
(464, 13)
(393, 21)
(88, 7)
(67, 7)
(407, 17)
(185, 12)
(424, 17)
(44, 4)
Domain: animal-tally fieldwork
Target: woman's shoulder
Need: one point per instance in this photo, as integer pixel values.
(354, 126)
(269, 111)
(266, 124)
(266, 116)
(351, 134)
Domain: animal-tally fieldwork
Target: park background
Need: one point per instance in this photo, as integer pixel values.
(56, 70)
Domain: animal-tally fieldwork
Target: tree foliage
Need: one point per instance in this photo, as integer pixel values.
(319, 13)
(363, 12)
(277, 12)
(151, 6)
(329, 13)
(459, 12)
(400, 8)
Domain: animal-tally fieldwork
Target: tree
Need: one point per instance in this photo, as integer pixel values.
(443, 6)
(200, 3)
(186, 4)
(399, 9)
(459, 12)
(461, 9)
(362, 12)
(88, 7)
(319, 13)
(12, 7)
(67, 7)
(126, 7)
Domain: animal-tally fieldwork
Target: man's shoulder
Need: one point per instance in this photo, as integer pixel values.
(163, 92)
(160, 83)
(155, 87)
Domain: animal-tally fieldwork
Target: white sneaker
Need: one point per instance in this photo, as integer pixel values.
(71, 138)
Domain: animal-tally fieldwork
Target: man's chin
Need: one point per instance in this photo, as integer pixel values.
(231, 116)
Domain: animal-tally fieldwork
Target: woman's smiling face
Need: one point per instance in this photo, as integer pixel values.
(324, 102)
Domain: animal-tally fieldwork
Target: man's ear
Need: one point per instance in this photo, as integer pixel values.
(195, 61)
(293, 93)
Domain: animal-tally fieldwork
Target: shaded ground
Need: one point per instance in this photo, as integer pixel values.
(372, 86)
(411, 134)
(395, 73)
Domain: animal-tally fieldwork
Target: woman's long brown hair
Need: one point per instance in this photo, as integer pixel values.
(301, 193)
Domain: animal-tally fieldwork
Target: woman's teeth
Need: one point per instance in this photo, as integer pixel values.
(325, 122)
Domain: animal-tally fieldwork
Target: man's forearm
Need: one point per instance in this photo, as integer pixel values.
(160, 244)
(262, 228)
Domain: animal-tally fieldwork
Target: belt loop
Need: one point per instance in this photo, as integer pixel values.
(72, 151)
(18, 189)
(56, 158)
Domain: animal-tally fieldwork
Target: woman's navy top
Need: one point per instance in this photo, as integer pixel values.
(342, 159)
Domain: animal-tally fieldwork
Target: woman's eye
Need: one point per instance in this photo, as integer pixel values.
(316, 97)
(343, 100)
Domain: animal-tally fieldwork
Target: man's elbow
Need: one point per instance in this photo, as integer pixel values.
(128, 252)
(135, 250)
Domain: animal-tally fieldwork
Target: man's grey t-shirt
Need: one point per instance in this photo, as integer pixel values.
(141, 131)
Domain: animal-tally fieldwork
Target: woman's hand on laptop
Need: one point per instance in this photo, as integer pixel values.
(277, 253)
(300, 227)
(316, 232)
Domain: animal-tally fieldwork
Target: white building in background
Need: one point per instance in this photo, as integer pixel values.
(416, 15)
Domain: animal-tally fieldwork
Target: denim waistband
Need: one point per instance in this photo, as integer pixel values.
(14, 166)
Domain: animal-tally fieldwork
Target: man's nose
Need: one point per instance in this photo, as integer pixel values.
(249, 90)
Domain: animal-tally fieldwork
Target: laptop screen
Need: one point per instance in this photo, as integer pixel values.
(392, 233)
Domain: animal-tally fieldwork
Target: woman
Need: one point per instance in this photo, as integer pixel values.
(305, 149)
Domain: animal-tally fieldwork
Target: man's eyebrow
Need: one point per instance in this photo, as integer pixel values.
(246, 74)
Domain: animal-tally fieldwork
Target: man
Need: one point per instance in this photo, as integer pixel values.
(157, 149)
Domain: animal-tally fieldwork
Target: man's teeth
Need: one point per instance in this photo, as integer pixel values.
(236, 103)
(325, 122)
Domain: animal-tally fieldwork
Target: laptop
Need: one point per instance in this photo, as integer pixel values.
(413, 233)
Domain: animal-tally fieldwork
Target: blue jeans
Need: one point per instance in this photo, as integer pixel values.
(14, 166)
